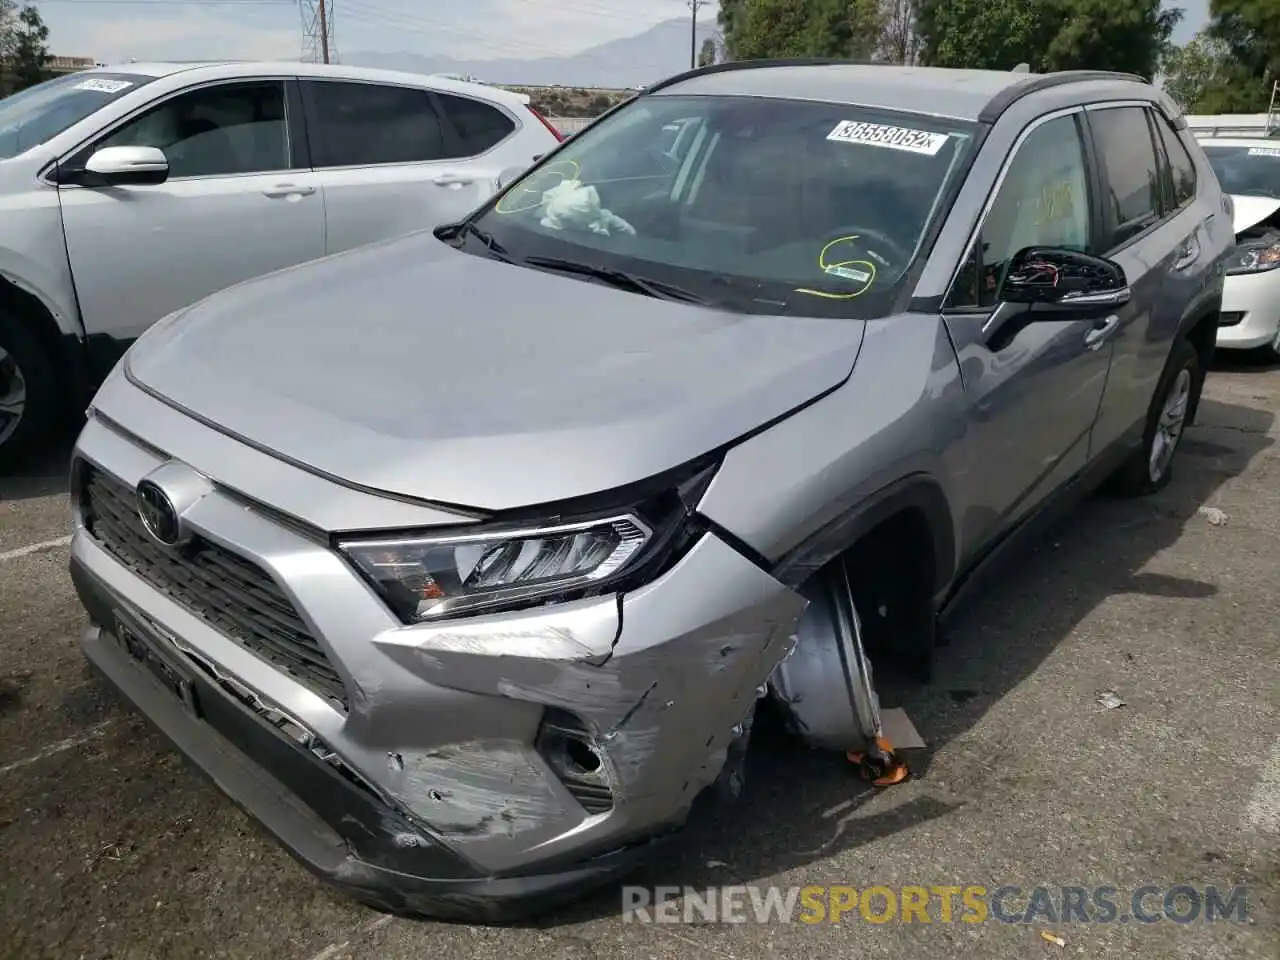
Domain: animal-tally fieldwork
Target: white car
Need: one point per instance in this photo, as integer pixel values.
(1249, 170)
(129, 192)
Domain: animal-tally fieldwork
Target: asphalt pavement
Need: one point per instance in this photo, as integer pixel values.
(111, 847)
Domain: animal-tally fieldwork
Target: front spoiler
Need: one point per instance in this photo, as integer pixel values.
(342, 833)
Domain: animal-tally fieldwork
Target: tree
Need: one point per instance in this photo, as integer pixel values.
(899, 36)
(1250, 32)
(1197, 75)
(1127, 35)
(987, 34)
(8, 35)
(758, 29)
(707, 55)
(1132, 36)
(30, 48)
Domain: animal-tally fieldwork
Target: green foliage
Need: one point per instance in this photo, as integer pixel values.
(1249, 31)
(707, 55)
(1199, 74)
(1127, 35)
(758, 29)
(30, 48)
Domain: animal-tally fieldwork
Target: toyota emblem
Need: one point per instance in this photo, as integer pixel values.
(158, 515)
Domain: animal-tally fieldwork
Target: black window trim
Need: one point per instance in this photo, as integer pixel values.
(291, 131)
(1162, 217)
(1156, 118)
(450, 134)
(1092, 181)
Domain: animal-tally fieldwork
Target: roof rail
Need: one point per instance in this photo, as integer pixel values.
(1010, 95)
(732, 65)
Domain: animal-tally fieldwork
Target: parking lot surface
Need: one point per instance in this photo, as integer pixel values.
(111, 847)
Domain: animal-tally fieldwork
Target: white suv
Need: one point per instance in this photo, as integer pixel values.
(131, 191)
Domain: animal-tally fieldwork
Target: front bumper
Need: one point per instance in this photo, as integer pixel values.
(430, 791)
(1250, 311)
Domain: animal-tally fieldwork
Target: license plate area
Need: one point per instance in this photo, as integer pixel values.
(148, 650)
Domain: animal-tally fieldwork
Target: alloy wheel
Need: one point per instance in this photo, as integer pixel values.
(13, 395)
(1173, 416)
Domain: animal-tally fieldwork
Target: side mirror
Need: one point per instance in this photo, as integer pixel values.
(119, 166)
(1066, 278)
(509, 176)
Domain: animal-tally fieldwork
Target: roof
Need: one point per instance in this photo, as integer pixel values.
(937, 91)
(300, 69)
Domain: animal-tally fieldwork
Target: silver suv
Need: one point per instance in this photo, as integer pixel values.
(131, 191)
(461, 561)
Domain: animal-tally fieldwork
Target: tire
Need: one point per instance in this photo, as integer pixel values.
(1144, 472)
(1271, 352)
(28, 392)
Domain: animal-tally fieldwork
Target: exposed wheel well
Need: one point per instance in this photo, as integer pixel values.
(1203, 335)
(893, 569)
(27, 309)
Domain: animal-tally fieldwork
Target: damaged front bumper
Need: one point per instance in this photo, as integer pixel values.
(482, 768)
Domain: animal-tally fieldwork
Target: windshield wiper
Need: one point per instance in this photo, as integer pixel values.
(492, 245)
(620, 279)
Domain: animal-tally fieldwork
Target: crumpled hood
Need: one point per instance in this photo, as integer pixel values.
(1251, 210)
(415, 369)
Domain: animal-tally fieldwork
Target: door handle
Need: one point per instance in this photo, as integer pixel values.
(1095, 337)
(287, 190)
(1187, 255)
(450, 179)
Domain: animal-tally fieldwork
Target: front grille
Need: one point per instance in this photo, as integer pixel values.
(232, 594)
(1229, 319)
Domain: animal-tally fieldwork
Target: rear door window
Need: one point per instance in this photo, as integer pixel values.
(354, 124)
(1182, 168)
(1130, 170)
(480, 126)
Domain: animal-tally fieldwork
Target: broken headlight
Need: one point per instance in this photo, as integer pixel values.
(1254, 258)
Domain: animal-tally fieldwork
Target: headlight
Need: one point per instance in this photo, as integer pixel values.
(433, 577)
(1254, 258)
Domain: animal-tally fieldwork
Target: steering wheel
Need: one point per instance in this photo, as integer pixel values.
(856, 237)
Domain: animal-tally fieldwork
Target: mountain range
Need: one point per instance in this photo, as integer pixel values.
(641, 59)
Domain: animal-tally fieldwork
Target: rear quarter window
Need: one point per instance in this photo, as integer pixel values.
(480, 126)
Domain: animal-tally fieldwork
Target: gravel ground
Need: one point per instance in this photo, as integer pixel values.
(111, 847)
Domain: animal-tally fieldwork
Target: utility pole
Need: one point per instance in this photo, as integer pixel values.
(318, 45)
(694, 6)
(324, 31)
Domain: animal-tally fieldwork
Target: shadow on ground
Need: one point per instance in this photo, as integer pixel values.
(44, 473)
(1099, 552)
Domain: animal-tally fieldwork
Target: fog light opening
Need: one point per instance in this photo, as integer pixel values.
(581, 758)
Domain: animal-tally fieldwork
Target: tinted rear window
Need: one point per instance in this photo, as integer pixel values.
(366, 124)
(479, 125)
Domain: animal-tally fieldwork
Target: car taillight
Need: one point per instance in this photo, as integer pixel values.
(545, 122)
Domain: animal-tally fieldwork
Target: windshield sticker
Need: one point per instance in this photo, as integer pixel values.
(860, 272)
(101, 85)
(1264, 151)
(893, 138)
(527, 194)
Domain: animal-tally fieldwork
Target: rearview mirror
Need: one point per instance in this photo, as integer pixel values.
(1054, 275)
(117, 166)
(509, 176)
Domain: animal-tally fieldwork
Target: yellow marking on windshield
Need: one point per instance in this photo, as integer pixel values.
(567, 170)
(842, 268)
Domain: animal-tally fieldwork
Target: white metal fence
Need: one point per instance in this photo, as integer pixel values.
(569, 125)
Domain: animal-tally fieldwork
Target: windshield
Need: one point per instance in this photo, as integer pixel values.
(40, 113)
(756, 205)
(1247, 171)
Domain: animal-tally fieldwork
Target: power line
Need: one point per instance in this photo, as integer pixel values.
(318, 45)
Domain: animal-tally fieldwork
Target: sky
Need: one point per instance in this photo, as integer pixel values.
(114, 30)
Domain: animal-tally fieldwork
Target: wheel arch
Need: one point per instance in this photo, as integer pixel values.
(64, 349)
(917, 499)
